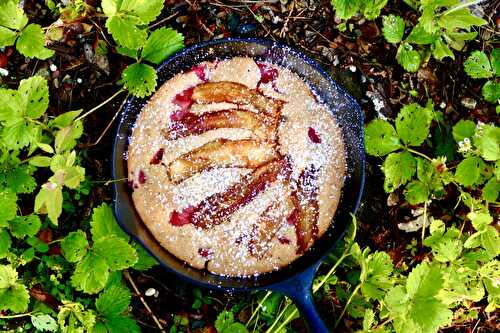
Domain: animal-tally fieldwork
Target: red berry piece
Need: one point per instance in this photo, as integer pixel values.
(200, 71)
(205, 252)
(156, 159)
(184, 217)
(142, 177)
(313, 135)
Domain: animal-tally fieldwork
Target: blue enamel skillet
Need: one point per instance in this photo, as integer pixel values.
(295, 280)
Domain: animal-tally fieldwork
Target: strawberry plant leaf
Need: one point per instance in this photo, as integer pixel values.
(440, 50)
(495, 61)
(161, 44)
(103, 224)
(31, 43)
(468, 171)
(398, 168)
(34, 93)
(5, 243)
(490, 241)
(65, 119)
(345, 9)
(74, 246)
(413, 123)
(91, 274)
(139, 79)
(408, 57)
(491, 189)
(9, 206)
(13, 295)
(393, 28)
(121, 324)
(372, 8)
(144, 260)
(20, 180)
(113, 301)
(44, 322)
(49, 201)
(381, 138)
(487, 142)
(491, 91)
(10, 102)
(125, 31)
(67, 136)
(7, 37)
(224, 319)
(464, 129)
(146, 10)
(378, 278)
(22, 226)
(417, 192)
(460, 19)
(478, 66)
(117, 252)
(12, 16)
(420, 36)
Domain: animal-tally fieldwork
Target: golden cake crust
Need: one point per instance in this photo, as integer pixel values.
(258, 236)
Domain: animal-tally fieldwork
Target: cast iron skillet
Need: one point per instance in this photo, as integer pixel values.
(295, 280)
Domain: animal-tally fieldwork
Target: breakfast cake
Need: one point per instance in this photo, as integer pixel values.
(236, 166)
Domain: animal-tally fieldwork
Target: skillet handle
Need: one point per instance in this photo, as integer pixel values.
(299, 289)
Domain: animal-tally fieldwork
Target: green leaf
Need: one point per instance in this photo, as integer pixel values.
(40, 161)
(44, 322)
(103, 224)
(464, 129)
(495, 61)
(413, 123)
(20, 180)
(13, 295)
(34, 93)
(440, 50)
(66, 137)
(372, 8)
(480, 220)
(478, 66)
(20, 134)
(224, 319)
(13, 16)
(109, 7)
(491, 91)
(420, 36)
(22, 226)
(117, 252)
(490, 241)
(408, 57)
(380, 138)
(161, 44)
(345, 9)
(144, 260)
(31, 43)
(7, 37)
(74, 246)
(235, 328)
(66, 119)
(121, 324)
(125, 31)
(378, 278)
(468, 172)
(10, 102)
(398, 168)
(9, 206)
(146, 10)
(73, 318)
(368, 320)
(487, 141)
(49, 201)
(113, 301)
(393, 28)
(460, 19)
(446, 246)
(91, 274)
(397, 299)
(491, 189)
(127, 52)
(5, 243)
(417, 192)
(139, 79)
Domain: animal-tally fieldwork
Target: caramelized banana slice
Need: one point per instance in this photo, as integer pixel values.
(217, 208)
(237, 93)
(263, 126)
(305, 214)
(221, 153)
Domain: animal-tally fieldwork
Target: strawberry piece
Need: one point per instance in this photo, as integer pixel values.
(156, 159)
(184, 217)
(267, 73)
(183, 100)
(313, 136)
(205, 252)
(199, 70)
(141, 177)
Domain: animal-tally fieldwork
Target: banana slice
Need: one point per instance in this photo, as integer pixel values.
(237, 93)
(264, 127)
(221, 153)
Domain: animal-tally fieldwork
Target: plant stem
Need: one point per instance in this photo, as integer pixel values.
(259, 305)
(418, 153)
(347, 304)
(330, 272)
(100, 105)
(28, 314)
(287, 320)
(282, 312)
(423, 223)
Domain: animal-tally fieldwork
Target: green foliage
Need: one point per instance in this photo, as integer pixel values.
(442, 26)
(225, 324)
(479, 66)
(127, 22)
(346, 9)
(13, 294)
(14, 29)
